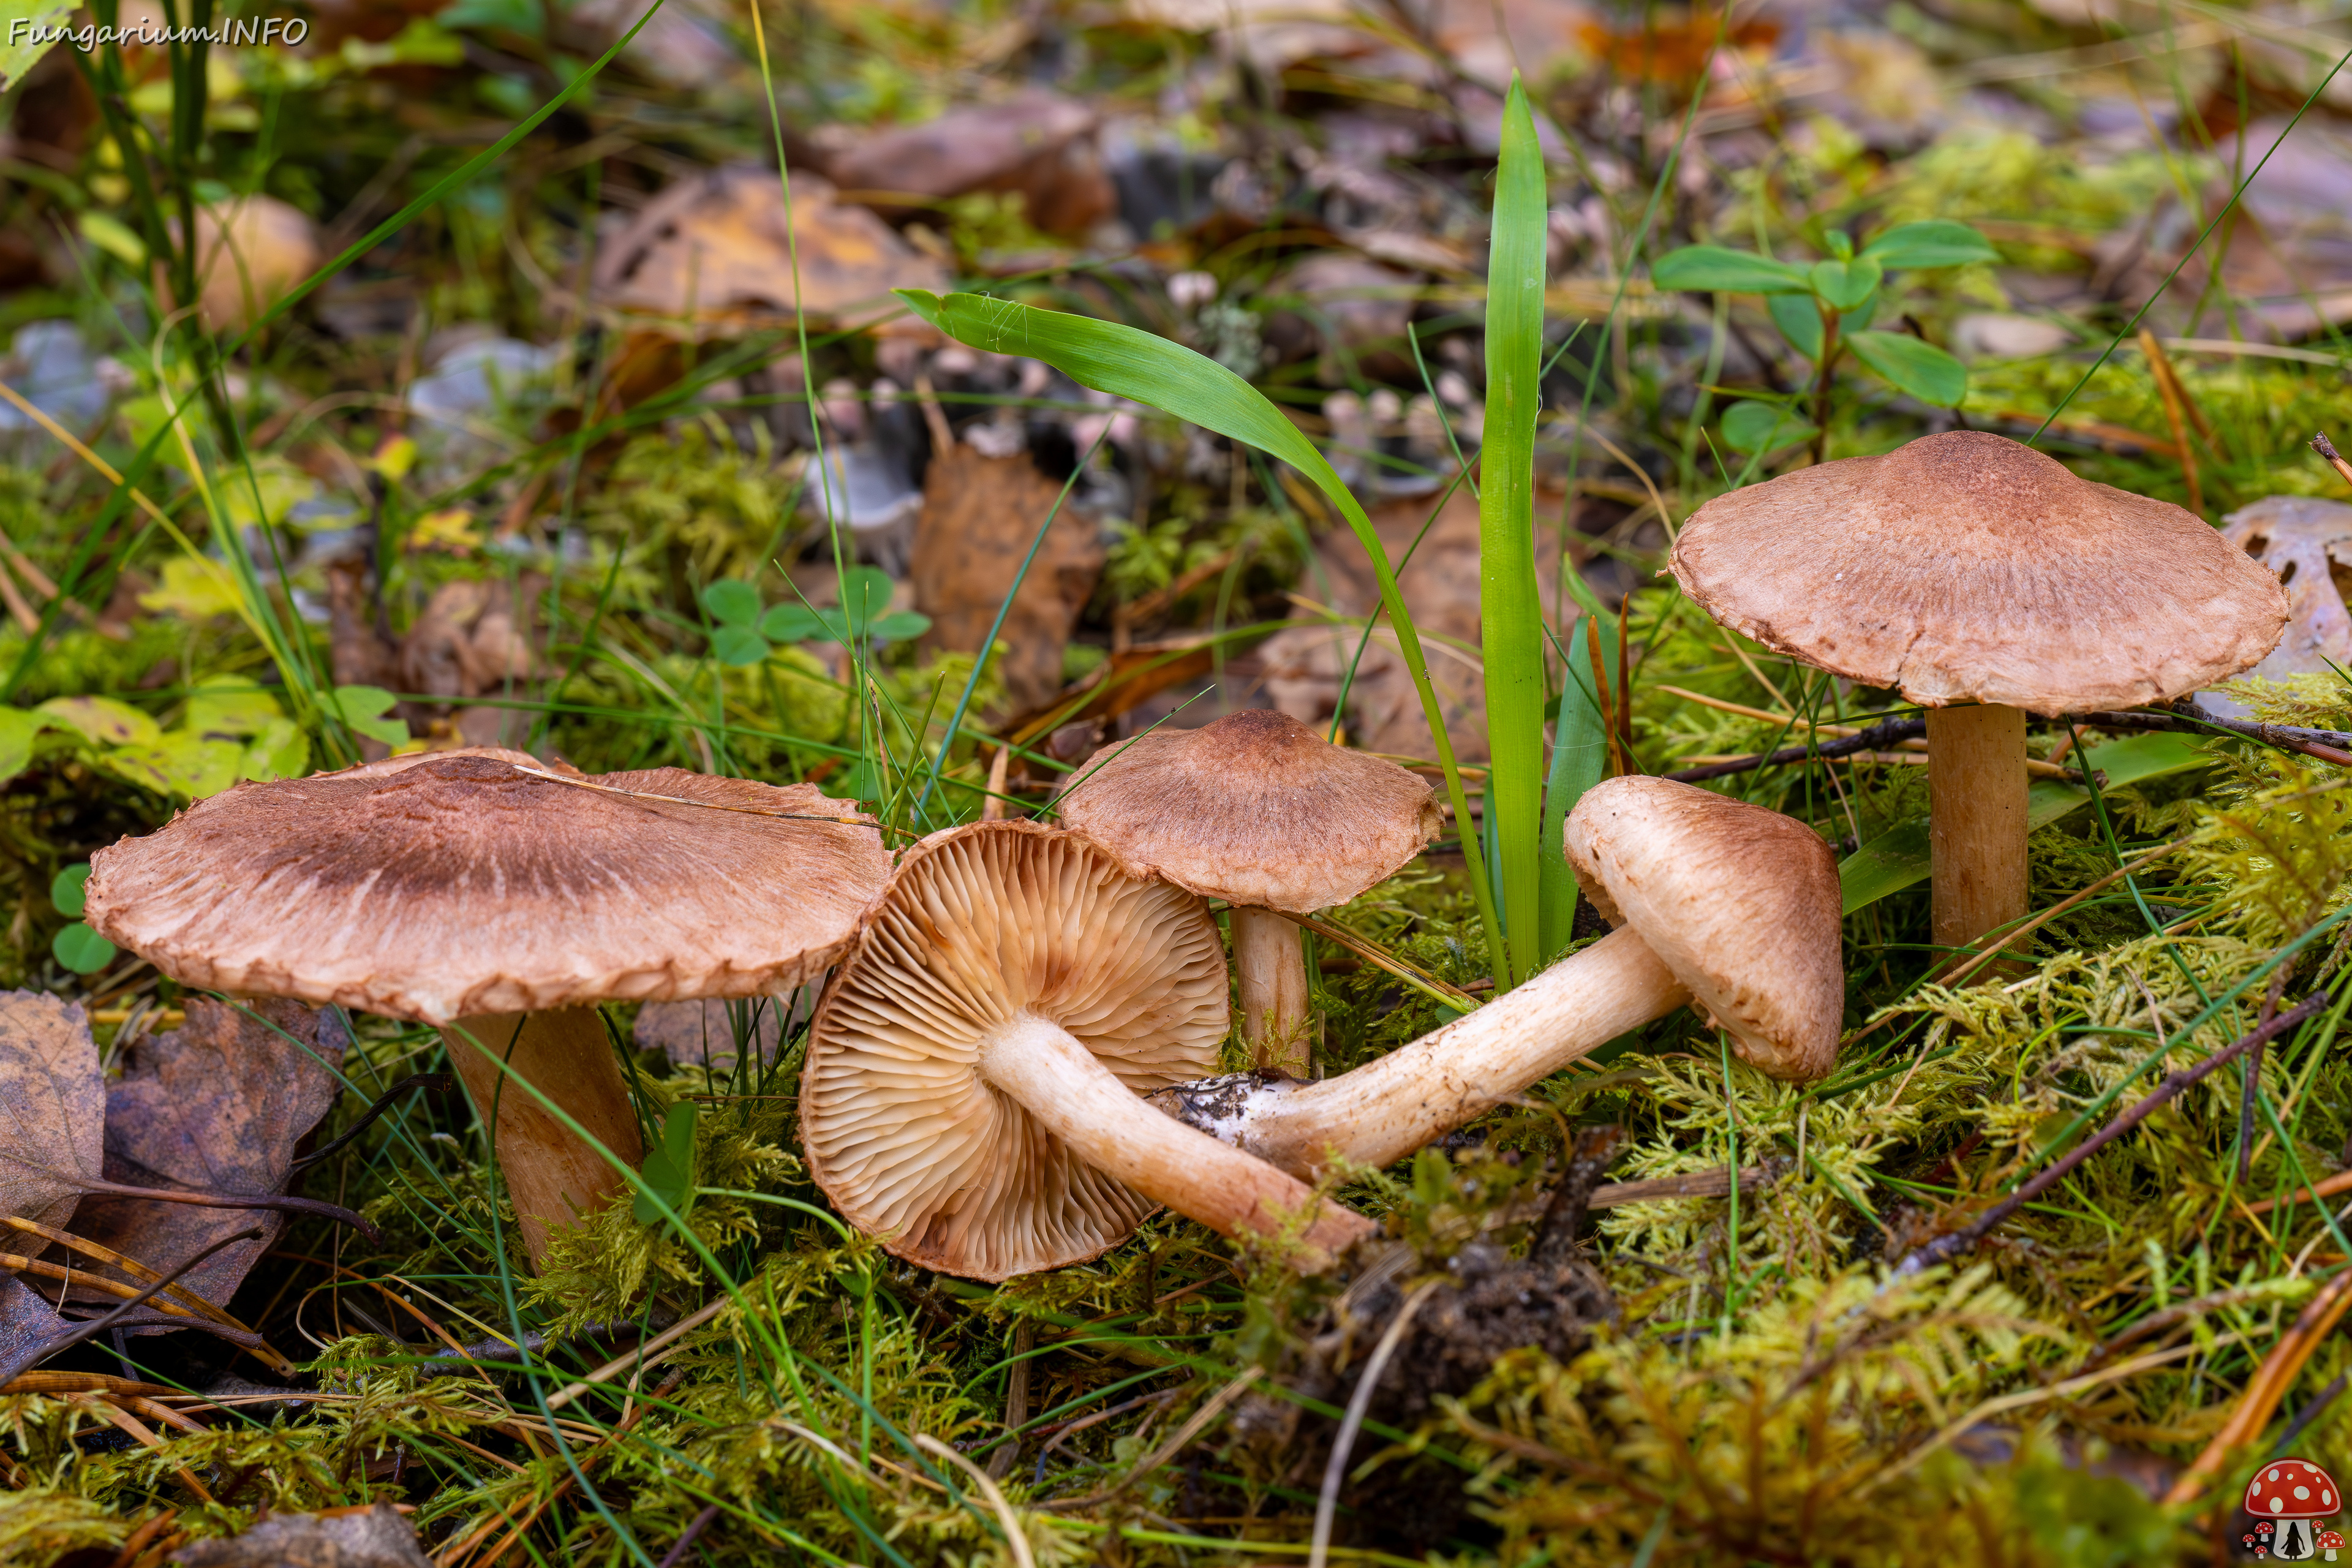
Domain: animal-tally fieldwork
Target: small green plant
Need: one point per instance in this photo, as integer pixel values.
(743, 632)
(76, 946)
(668, 1170)
(1826, 308)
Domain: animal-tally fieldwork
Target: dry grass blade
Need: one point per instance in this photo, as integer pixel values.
(1016, 1540)
(1335, 1469)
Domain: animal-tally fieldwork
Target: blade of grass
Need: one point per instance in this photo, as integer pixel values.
(1129, 362)
(1510, 612)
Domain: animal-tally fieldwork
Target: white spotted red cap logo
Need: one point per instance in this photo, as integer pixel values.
(2293, 1488)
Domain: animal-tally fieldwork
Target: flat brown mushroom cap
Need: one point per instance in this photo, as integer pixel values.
(1968, 566)
(1257, 809)
(1739, 902)
(460, 887)
(978, 924)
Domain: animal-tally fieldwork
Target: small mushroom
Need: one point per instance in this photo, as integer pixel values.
(502, 906)
(1718, 903)
(971, 1093)
(1986, 582)
(1260, 811)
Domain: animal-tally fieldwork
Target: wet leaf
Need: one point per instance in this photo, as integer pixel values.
(1923, 370)
(374, 1537)
(52, 1106)
(219, 1104)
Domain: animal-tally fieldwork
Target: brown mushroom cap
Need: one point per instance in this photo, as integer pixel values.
(1967, 567)
(459, 887)
(1255, 809)
(979, 924)
(1739, 902)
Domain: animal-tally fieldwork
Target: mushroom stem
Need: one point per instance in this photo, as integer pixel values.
(1081, 1101)
(1271, 961)
(1381, 1111)
(1977, 787)
(553, 1175)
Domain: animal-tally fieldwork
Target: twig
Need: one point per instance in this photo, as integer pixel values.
(1946, 1247)
(440, 1083)
(2326, 746)
(676, 1555)
(1885, 733)
(2317, 1321)
(2175, 415)
(27, 1359)
(1335, 1468)
(316, 1209)
(2326, 448)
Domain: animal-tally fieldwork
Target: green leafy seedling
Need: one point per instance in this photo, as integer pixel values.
(742, 633)
(76, 946)
(1827, 307)
(1757, 426)
(669, 1169)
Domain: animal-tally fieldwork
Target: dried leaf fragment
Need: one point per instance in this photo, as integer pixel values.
(374, 1537)
(52, 1106)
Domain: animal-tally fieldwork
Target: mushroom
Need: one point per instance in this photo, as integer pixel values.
(1260, 811)
(971, 1093)
(2294, 1492)
(502, 905)
(1985, 582)
(1718, 903)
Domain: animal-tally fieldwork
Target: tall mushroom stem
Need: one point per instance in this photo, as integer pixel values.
(1977, 828)
(1271, 963)
(1060, 1082)
(1381, 1111)
(553, 1175)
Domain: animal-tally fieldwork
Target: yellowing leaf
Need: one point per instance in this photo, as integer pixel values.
(177, 764)
(280, 485)
(18, 729)
(394, 458)
(104, 722)
(450, 529)
(222, 706)
(194, 589)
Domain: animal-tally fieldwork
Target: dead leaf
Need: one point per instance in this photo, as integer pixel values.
(1303, 665)
(466, 643)
(52, 1106)
(1354, 312)
(1037, 144)
(980, 514)
(374, 1537)
(715, 253)
(2308, 543)
(25, 1319)
(218, 1104)
(690, 1033)
(2288, 267)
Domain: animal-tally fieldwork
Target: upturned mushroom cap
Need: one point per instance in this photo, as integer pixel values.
(1257, 809)
(460, 887)
(1739, 902)
(1967, 567)
(979, 924)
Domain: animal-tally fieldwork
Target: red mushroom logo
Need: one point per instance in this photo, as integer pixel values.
(2291, 1494)
(2331, 1541)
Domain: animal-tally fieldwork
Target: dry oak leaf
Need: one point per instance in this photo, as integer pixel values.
(374, 1537)
(2308, 543)
(217, 1104)
(52, 1106)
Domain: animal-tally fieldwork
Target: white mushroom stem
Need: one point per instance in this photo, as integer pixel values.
(1271, 963)
(1079, 1101)
(553, 1175)
(1977, 788)
(1381, 1111)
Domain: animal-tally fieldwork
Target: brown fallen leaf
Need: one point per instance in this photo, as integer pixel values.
(688, 1032)
(52, 1106)
(980, 514)
(1039, 145)
(714, 254)
(26, 1318)
(374, 1537)
(2288, 266)
(1351, 310)
(1303, 666)
(2308, 543)
(217, 1104)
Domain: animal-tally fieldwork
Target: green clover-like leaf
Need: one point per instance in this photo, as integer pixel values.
(66, 895)
(733, 604)
(82, 950)
(1923, 370)
(1753, 426)
(738, 645)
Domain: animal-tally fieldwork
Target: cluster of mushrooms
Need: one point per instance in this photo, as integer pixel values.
(1013, 1059)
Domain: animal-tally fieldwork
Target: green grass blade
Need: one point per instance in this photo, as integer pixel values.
(1579, 757)
(1511, 613)
(1127, 362)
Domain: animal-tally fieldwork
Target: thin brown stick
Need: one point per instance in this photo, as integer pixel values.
(25, 1360)
(2326, 448)
(2168, 388)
